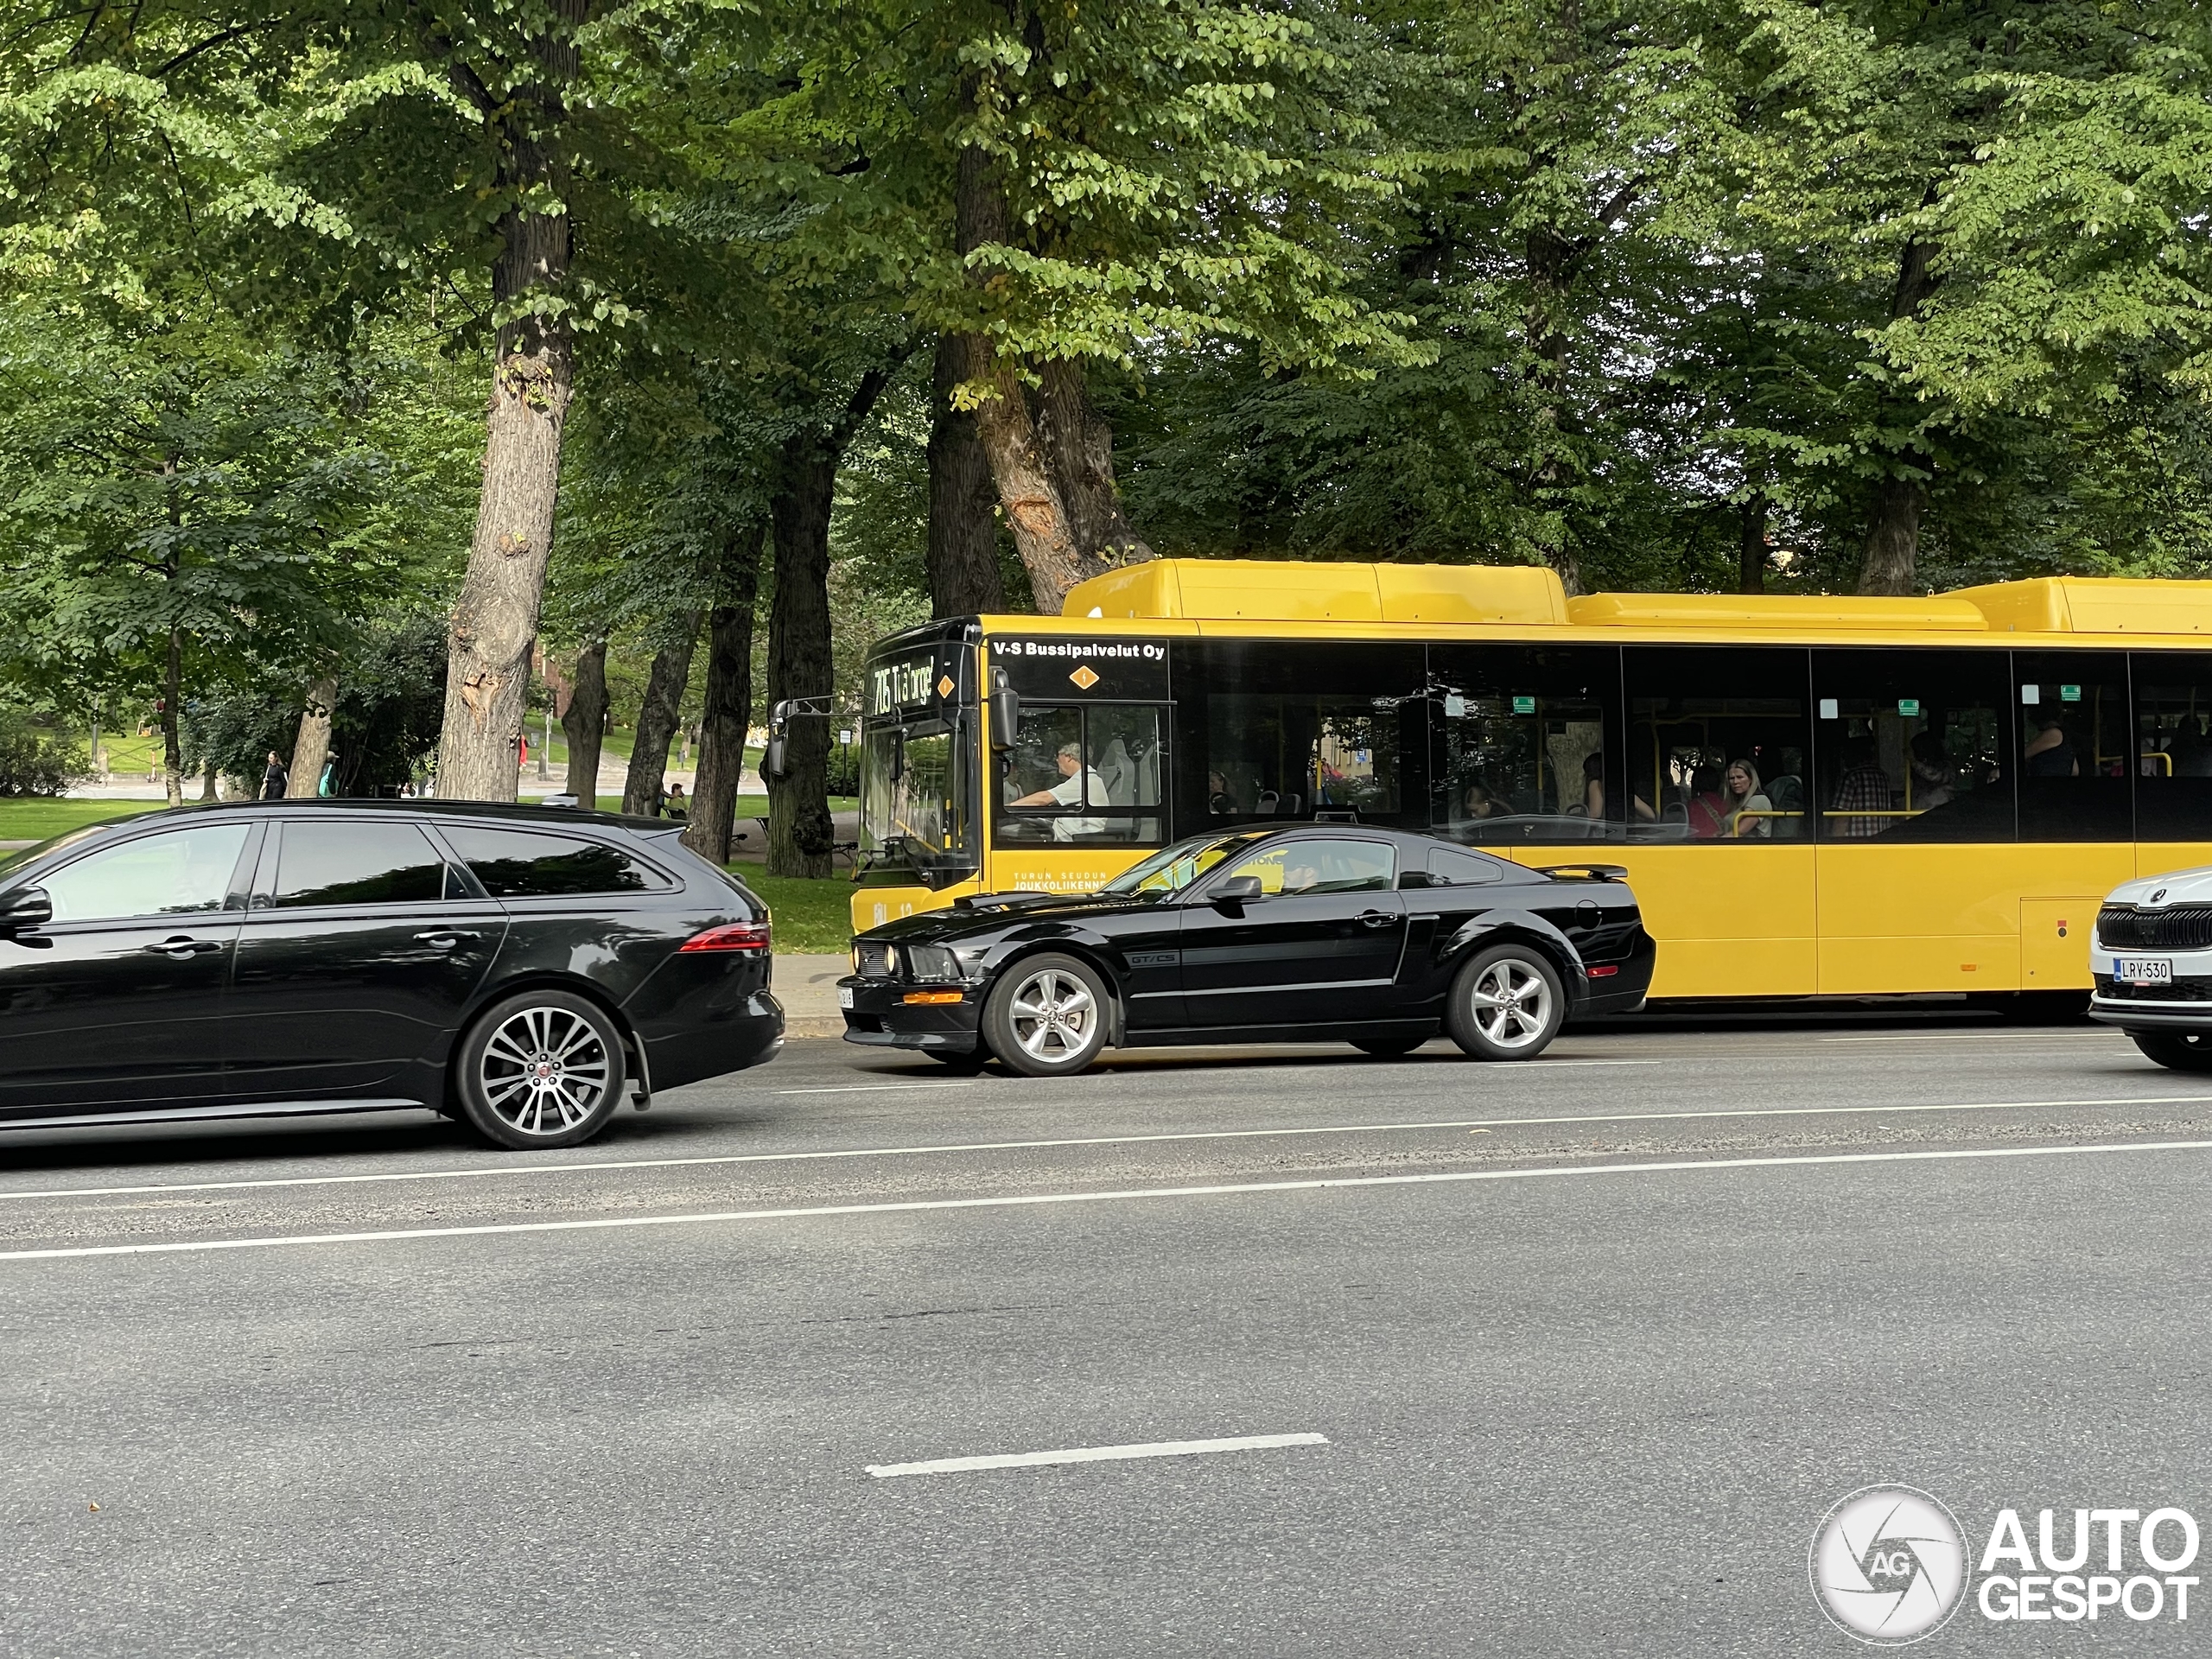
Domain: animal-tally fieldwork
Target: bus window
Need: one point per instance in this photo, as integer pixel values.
(2072, 746)
(1717, 744)
(1913, 746)
(1083, 773)
(1522, 751)
(2173, 745)
(1294, 729)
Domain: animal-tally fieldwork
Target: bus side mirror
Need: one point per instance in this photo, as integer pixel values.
(775, 760)
(1006, 711)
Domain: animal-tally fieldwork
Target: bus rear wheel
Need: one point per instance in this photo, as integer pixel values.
(2178, 1051)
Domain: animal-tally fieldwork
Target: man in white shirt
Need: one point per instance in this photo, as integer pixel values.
(1071, 791)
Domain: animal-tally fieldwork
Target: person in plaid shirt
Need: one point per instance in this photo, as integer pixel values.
(1864, 787)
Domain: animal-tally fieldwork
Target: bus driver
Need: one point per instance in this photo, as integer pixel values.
(1078, 783)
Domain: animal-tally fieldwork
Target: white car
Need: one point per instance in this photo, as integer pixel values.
(2151, 959)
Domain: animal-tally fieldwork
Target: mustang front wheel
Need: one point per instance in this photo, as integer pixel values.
(1046, 1016)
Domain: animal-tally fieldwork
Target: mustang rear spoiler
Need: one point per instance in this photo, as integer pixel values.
(1015, 898)
(1585, 872)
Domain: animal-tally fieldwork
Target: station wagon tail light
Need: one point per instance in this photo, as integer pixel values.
(747, 938)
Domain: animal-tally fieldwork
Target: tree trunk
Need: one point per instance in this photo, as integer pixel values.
(660, 716)
(1079, 446)
(964, 547)
(207, 790)
(1893, 543)
(1750, 552)
(728, 698)
(312, 746)
(799, 665)
(585, 722)
(1034, 512)
(494, 622)
(173, 692)
(1891, 562)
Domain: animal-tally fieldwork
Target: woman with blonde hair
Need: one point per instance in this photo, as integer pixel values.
(1740, 794)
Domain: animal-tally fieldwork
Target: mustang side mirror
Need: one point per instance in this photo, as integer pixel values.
(775, 760)
(1006, 711)
(23, 910)
(1231, 896)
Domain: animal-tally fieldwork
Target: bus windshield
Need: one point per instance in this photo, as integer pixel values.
(1173, 869)
(913, 807)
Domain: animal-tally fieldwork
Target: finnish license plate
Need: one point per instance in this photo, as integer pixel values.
(844, 996)
(2144, 971)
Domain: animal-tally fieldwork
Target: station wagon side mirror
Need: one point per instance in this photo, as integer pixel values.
(775, 760)
(24, 909)
(1230, 897)
(1006, 711)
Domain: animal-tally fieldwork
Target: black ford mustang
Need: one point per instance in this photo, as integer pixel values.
(514, 967)
(1305, 933)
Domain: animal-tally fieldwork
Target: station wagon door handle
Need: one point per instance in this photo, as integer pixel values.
(1378, 917)
(444, 938)
(181, 947)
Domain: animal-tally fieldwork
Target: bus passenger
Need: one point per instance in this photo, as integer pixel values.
(2049, 753)
(1707, 811)
(1935, 780)
(1864, 788)
(1481, 803)
(1076, 783)
(1593, 785)
(1740, 795)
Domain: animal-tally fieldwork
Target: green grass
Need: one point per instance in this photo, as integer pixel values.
(812, 917)
(34, 818)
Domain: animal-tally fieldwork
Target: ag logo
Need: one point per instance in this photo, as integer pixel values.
(1889, 1565)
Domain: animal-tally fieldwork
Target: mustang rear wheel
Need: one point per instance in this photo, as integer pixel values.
(1506, 1004)
(1046, 1016)
(541, 1069)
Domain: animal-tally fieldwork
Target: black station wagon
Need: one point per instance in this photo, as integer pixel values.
(511, 966)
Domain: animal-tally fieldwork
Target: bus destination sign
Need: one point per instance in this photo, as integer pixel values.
(1056, 669)
(904, 684)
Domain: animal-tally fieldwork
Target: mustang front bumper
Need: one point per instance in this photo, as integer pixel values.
(896, 1013)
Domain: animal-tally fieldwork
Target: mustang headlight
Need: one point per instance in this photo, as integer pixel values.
(929, 962)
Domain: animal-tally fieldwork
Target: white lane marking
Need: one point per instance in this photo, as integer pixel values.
(877, 1088)
(1093, 1454)
(510, 1171)
(1024, 1200)
(2008, 1038)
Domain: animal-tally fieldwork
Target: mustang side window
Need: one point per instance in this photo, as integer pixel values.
(1299, 867)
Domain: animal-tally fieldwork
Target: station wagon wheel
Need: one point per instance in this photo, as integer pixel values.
(1506, 1004)
(542, 1069)
(1046, 1016)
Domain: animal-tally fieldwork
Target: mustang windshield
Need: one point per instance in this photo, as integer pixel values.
(1173, 869)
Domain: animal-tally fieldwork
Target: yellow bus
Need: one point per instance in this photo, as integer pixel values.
(1811, 795)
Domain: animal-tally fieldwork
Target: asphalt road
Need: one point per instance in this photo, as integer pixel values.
(1591, 1344)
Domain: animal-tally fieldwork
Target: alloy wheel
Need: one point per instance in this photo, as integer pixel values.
(1513, 1003)
(1053, 1014)
(544, 1070)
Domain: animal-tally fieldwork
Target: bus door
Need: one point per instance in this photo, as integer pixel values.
(1719, 836)
(2073, 755)
(1919, 872)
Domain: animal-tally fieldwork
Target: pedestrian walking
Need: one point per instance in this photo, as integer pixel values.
(274, 780)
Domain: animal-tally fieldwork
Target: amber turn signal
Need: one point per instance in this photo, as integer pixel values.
(930, 996)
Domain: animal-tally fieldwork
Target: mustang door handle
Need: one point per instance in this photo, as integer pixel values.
(1377, 917)
(181, 947)
(445, 939)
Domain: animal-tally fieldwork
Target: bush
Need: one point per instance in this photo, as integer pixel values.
(32, 762)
